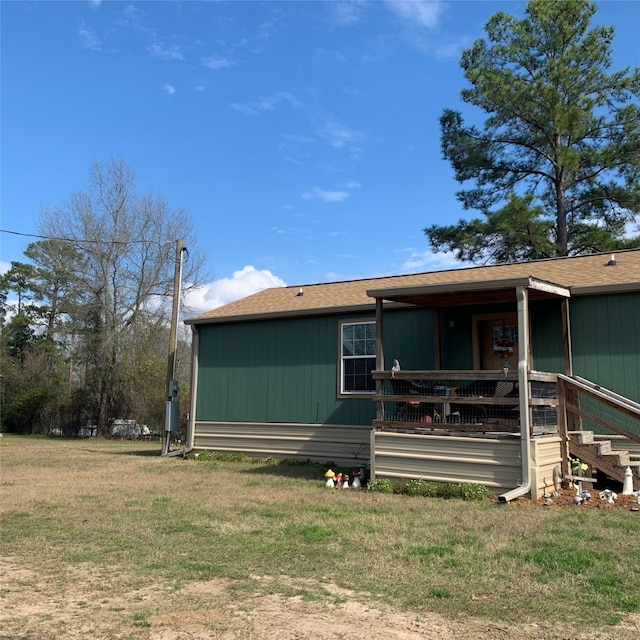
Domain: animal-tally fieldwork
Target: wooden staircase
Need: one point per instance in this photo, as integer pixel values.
(619, 418)
(600, 453)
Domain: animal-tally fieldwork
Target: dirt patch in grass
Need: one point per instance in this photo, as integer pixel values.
(34, 607)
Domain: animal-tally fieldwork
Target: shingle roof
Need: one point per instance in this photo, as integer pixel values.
(576, 273)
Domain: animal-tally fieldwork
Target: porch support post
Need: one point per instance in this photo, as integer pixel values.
(565, 464)
(438, 339)
(379, 344)
(566, 337)
(379, 360)
(573, 421)
(523, 392)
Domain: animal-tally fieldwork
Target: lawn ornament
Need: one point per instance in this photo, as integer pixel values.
(395, 368)
(345, 481)
(557, 480)
(330, 475)
(586, 496)
(578, 499)
(355, 483)
(608, 496)
(627, 487)
(338, 479)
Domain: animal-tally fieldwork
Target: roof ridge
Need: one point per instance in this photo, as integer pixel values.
(469, 267)
(587, 273)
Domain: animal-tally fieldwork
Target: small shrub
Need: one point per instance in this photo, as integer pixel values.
(205, 455)
(448, 490)
(475, 491)
(421, 488)
(383, 485)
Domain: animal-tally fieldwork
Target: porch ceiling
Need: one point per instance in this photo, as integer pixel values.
(470, 293)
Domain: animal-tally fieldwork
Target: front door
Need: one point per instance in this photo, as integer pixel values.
(496, 341)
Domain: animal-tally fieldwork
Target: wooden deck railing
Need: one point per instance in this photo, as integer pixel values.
(462, 401)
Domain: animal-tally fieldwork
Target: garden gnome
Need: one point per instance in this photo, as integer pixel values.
(329, 475)
(355, 483)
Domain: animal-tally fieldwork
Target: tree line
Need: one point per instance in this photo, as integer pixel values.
(85, 320)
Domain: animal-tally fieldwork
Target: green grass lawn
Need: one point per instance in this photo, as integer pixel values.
(88, 505)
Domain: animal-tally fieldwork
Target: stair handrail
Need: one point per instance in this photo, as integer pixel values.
(612, 394)
(608, 397)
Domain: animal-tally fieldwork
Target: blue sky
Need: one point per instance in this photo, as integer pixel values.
(302, 137)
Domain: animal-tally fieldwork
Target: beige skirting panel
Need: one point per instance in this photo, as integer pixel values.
(493, 462)
(338, 444)
(545, 457)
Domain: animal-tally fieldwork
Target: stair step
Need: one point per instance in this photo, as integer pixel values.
(621, 458)
(582, 437)
(603, 447)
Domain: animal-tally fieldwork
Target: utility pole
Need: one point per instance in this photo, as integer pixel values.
(172, 412)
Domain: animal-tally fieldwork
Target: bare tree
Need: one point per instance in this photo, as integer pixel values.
(127, 241)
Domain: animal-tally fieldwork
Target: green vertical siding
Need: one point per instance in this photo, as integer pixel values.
(456, 335)
(605, 332)
(546, 336)
(286, 370)
(409, 337)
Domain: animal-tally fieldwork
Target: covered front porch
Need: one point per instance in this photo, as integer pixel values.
(496, 426)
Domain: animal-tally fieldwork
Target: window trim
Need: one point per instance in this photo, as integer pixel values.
(341, 359)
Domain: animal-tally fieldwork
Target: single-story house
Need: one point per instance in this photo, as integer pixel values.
(454, 375)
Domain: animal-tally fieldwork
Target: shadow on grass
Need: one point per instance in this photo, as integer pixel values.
(146, 453)
(152, 449)
(308, 471)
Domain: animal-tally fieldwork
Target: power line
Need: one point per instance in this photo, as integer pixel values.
(86, 241)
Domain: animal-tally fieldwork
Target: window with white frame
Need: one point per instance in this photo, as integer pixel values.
(358, 357)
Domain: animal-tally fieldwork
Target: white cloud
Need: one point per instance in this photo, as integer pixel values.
(271, 102)
(453, 50)
(218, 62)
(242, 283)
(267, 103)
(324, 54)
(172, 52)
(95, 3)
(169, 89)
(4, 267)
(89, 39)
(429, 261)
(129, 17)
(325, 196)
(245, 109)
(423, 13)
(346, 13)
(341, 137)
